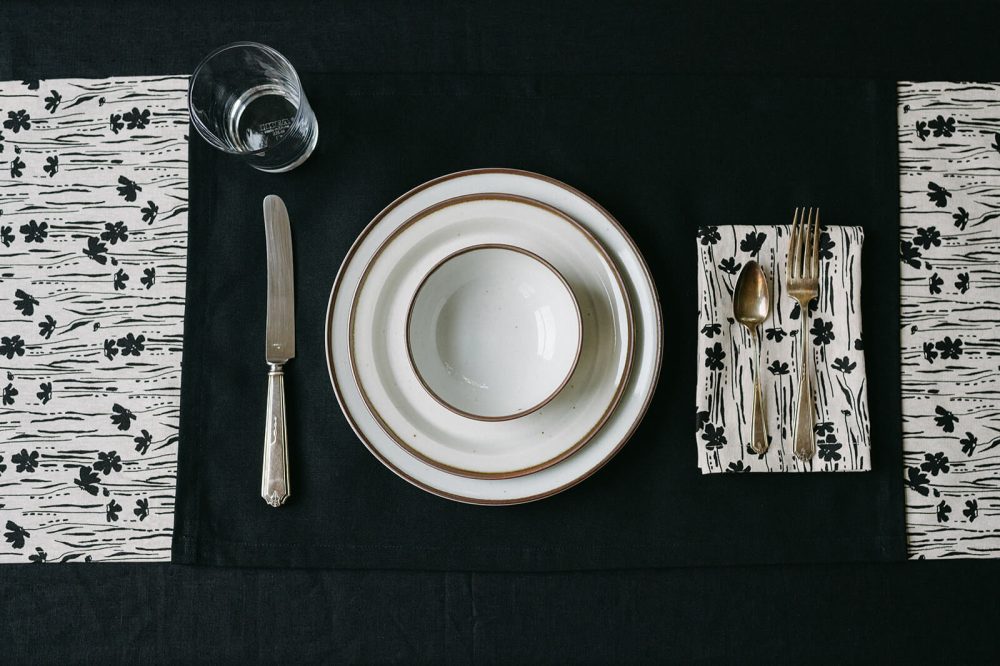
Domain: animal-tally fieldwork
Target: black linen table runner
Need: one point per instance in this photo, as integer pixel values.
(665, 155)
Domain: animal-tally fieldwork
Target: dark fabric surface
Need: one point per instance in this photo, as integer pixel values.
(902, 613)
(941, 612)
(665, 155)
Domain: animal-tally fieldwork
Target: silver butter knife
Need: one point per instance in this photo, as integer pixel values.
(280, 348)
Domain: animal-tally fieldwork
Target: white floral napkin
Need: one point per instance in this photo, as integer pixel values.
(726, 355)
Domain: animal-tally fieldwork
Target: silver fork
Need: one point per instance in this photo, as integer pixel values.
(803, 286)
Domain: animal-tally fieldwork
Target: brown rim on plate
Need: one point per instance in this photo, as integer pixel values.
(579, 336)
(333, 299)
(629, 337)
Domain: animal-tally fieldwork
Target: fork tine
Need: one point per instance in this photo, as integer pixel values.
(815, 252)
(793, 247)
(807, 247)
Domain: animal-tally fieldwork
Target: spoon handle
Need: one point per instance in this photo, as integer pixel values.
(759, 441)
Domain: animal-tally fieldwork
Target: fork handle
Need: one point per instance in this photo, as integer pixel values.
(805, 447)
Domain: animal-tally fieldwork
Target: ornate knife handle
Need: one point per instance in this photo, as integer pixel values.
(274, 484)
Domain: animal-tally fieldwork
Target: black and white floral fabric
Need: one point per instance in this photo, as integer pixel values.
(93, 233)
(726, 355)
(949, 154)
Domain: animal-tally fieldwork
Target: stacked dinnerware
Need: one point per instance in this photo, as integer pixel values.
(494, 336)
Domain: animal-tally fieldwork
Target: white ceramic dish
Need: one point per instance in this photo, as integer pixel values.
(494, 332)
(618, 427)
(439, 435)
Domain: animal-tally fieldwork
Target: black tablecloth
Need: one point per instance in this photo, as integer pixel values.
(941, 612)
(665, 155)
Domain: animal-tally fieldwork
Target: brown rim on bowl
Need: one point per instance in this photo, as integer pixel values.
(619, 389)
(338, 281)
(579, 333)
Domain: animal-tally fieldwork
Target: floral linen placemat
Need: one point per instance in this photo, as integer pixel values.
(949, 183)
(93, 242)
(726, 355)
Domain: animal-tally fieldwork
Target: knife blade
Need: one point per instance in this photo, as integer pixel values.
(280, 348)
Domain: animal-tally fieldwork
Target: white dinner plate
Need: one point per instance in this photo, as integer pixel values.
(391, 388)
(646, 355)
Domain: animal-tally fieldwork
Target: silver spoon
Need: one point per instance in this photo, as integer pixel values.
(751, 306)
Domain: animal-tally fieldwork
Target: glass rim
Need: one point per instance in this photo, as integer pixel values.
(208, 134)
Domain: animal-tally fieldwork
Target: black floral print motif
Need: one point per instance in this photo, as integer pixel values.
(753, 242)
(778, 368)
(714, 356)
(829, 449)
(108, 462)
(701, 419)
(149, 212)
(17, 121)
(52, 102)
(844, 364)
(15, 534)
(826, 245)
(969, 443)
(776, 334)
(934, 283)
(115, 122)
(945, 419)
(927, 237)
(17, 167)
(121, 277)
(711, 330)
(943, 509)
(96, 250)
(917, 481)
(822, 332)
(136, 119)
(115, 232)
(1, 142)
(128, 188)
(143, 441)
(11, 347)
(922, 131)
(909, 254)
(87, 480)
(32, 83)
(996, 142)
(110, 350)
(39, 557)
(797, 310)
(8, 394)
(859, 344)
(34, 232)
(961, 218)
(935, 463)
(942, 127)
(122, 417)
(24, 302)
(45, 328)
(3, 468)
(938, 195)
(971, 511)
(714, 437)
(141, 509)
(45, 392)
(6, 237)
(112, 510)
(949, 348)
(962, 284)
(737, 467)
(132, 345)
(26, 462)
(929, 353)
(148, 278)
(823, 428)
(709, 235)
(730, 265)
(51, 165)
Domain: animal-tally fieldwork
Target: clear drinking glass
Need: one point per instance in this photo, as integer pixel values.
(246, 99)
